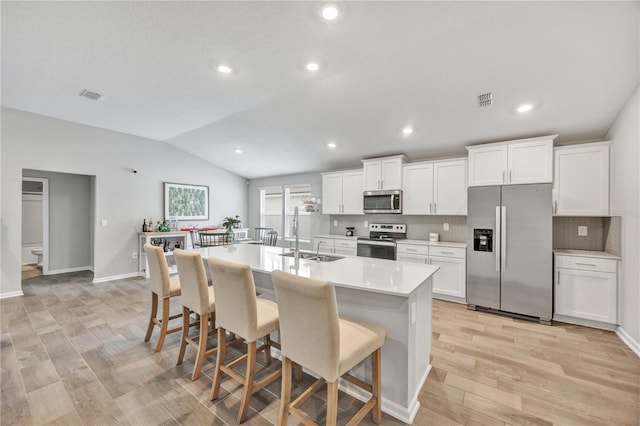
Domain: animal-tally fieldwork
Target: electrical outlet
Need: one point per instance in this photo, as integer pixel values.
(366, 223)
(335, 223)
(134, 255)
(445, 226)
(582, 231)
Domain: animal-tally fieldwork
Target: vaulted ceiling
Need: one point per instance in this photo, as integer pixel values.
(383, 66)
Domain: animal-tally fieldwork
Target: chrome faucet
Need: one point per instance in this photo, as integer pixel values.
(296, 252)
(318, 250)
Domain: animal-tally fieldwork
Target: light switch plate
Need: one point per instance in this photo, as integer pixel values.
(134, 255)
(103, 222)
(445, 226)
(582, 231)
(366, 223)
(335, 223)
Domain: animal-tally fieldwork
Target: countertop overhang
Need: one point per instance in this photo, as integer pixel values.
(362, 273)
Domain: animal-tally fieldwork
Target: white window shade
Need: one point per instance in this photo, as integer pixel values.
(277, 206)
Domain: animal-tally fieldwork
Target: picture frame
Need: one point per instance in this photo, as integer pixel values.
(186, 202)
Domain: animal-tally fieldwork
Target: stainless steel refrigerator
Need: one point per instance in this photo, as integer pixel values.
(509, 251)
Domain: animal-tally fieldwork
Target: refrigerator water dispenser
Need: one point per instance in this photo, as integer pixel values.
(483, 240)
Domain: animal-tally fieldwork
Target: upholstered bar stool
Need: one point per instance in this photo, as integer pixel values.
(313, 336)
(239, 311)
(163, 287)
(197, 297)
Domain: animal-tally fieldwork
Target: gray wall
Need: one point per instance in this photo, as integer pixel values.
(319, 222)
(31, 141)
(70, 219)
(625, 134)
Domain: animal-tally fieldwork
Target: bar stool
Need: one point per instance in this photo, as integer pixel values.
(197, 297)
(164, 287)
(239, 311)
(313, 336)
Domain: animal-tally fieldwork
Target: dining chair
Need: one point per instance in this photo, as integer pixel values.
(270, 238)
(241, 313)
(195, 238)
(196, 297)
(163, 287)
(314, 336)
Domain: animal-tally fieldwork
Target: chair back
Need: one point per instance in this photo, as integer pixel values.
(260, 233)
(195, 238)
(193, 281)
(235, 290)
(158, 270)
(270, 239)
(309, 324)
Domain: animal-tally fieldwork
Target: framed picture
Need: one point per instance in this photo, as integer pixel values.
(186, 202)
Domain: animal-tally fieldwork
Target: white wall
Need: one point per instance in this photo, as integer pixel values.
(625, 134)
(31, 141)
(70, 219)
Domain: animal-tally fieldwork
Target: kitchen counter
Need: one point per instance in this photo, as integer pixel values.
(393, 295)
(587, 253)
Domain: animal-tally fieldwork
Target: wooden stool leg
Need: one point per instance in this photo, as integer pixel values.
(202, 346)
(166, 307)
(376, 385)
(297, 372)
(248, 382)
(285, 397)
(217, 375)
(332, 403)
(267, 349)
(154, 312)
(186, 318)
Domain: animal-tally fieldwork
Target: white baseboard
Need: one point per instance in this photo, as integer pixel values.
(67, 270)
(585, 322)
(628, 340)
(11, 294)
(115, 277)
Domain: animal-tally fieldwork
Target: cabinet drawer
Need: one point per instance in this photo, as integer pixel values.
(447, 251)
(338, 243)
(325, 242)
(413, 249)
(586, 263)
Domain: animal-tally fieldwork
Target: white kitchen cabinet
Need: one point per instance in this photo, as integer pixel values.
(511, 163)
(449, 283)
(581, 180)
(336, 246)
(438, 187)
(586, 289)
(342, 192)
(383, 173)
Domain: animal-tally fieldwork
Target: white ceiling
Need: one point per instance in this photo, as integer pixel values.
(383, 65)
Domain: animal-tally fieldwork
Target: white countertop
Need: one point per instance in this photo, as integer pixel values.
(363, 273)
(586, 253)
(417, 242)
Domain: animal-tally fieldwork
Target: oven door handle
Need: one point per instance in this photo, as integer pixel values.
(378, 243)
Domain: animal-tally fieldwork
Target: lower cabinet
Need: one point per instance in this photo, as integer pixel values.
(586, 289)
(336, 246)
(449, 283)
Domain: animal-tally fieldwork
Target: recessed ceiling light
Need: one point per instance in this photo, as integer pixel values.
(312, 66)
(224, 69)
(332, 145)
(407, 131)
(329, 13)
(525, 108)
(238, 151)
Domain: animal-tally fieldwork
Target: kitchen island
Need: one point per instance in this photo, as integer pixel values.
(393, 295)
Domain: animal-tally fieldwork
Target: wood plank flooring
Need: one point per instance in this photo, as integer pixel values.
(72, 353)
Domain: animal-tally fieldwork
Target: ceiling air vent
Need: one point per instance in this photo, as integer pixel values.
(90, 95)
(485, 100)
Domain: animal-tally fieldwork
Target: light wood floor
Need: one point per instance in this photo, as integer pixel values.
(72, 352)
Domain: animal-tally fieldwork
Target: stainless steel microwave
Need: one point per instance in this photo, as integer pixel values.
(383, 201)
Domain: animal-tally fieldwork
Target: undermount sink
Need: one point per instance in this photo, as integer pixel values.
(308, 255)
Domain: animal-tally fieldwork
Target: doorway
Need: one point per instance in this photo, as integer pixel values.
(35, 225)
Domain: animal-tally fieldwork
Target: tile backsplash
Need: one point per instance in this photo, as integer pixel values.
(603, 233)
(418, 227)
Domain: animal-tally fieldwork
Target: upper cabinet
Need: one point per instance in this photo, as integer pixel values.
(342, 192)
(438, 187)
(511, 163)
(383, 173)
(581, 180)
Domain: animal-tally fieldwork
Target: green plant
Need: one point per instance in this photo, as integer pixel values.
(229, 221)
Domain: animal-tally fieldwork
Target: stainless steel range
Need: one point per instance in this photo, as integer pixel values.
(381, 242)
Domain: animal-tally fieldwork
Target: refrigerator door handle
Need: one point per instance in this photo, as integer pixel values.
(497, 239)
(503, 240)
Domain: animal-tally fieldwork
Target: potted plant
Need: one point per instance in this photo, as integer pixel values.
(231, 222)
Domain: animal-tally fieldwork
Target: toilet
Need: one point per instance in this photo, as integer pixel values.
(37, 251)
